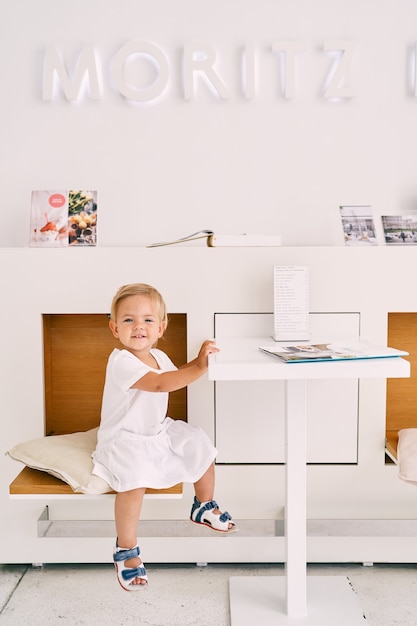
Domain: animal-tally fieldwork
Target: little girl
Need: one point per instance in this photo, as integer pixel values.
(138, 446)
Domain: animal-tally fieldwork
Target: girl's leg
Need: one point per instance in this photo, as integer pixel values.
(204, 487)
(127, 509)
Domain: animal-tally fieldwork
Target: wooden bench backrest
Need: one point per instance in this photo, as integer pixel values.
(76, 349)
(401, 392)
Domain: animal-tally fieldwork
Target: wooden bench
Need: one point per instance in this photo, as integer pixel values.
(34, 482)
(76, 349)
(391, 445)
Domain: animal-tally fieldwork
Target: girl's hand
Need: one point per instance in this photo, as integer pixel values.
(208, 347)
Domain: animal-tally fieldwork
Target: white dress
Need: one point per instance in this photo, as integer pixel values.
(137, 444)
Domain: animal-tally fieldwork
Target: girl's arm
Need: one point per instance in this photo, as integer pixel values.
(171, 381)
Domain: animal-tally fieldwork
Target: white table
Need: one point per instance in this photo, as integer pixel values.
(293, 598)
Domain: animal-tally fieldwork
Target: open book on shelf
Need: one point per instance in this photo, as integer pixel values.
(308, 353)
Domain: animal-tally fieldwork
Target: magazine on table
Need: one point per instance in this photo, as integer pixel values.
(308, 353)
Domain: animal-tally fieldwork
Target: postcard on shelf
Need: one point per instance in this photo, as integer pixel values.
(291, 303)
(400, 230)
(314, 353)
(358, 225)
(63, 218)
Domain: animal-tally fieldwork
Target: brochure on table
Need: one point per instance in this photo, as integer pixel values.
(314, 353)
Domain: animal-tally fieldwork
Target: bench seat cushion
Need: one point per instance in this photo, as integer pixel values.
(67, 457)
(407, 455)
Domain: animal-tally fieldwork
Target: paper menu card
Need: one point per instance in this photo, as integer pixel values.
(291, 303)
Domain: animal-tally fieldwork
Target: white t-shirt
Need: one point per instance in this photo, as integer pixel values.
(132, 410)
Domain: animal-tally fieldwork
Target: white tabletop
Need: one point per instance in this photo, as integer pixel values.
(241, 359)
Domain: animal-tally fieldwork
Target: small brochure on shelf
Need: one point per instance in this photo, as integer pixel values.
(358, 225)
(400, 230)
(63, 218)
(313, 353)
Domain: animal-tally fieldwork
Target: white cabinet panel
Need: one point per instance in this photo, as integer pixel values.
(249, 416)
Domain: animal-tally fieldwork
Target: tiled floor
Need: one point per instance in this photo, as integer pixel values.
(180, 595)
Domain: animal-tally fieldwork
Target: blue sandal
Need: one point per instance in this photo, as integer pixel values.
(125, 575)
(202, 513)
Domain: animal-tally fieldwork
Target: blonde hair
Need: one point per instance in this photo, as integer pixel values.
(140, 289)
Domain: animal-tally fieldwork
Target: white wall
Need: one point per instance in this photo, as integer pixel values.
(163, 169)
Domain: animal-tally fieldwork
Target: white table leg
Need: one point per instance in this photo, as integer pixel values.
(294, 599)
(295, 518)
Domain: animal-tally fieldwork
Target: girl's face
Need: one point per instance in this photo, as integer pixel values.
(137, 325)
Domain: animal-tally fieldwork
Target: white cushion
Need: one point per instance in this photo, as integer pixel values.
(67, 457)
(407, 454)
